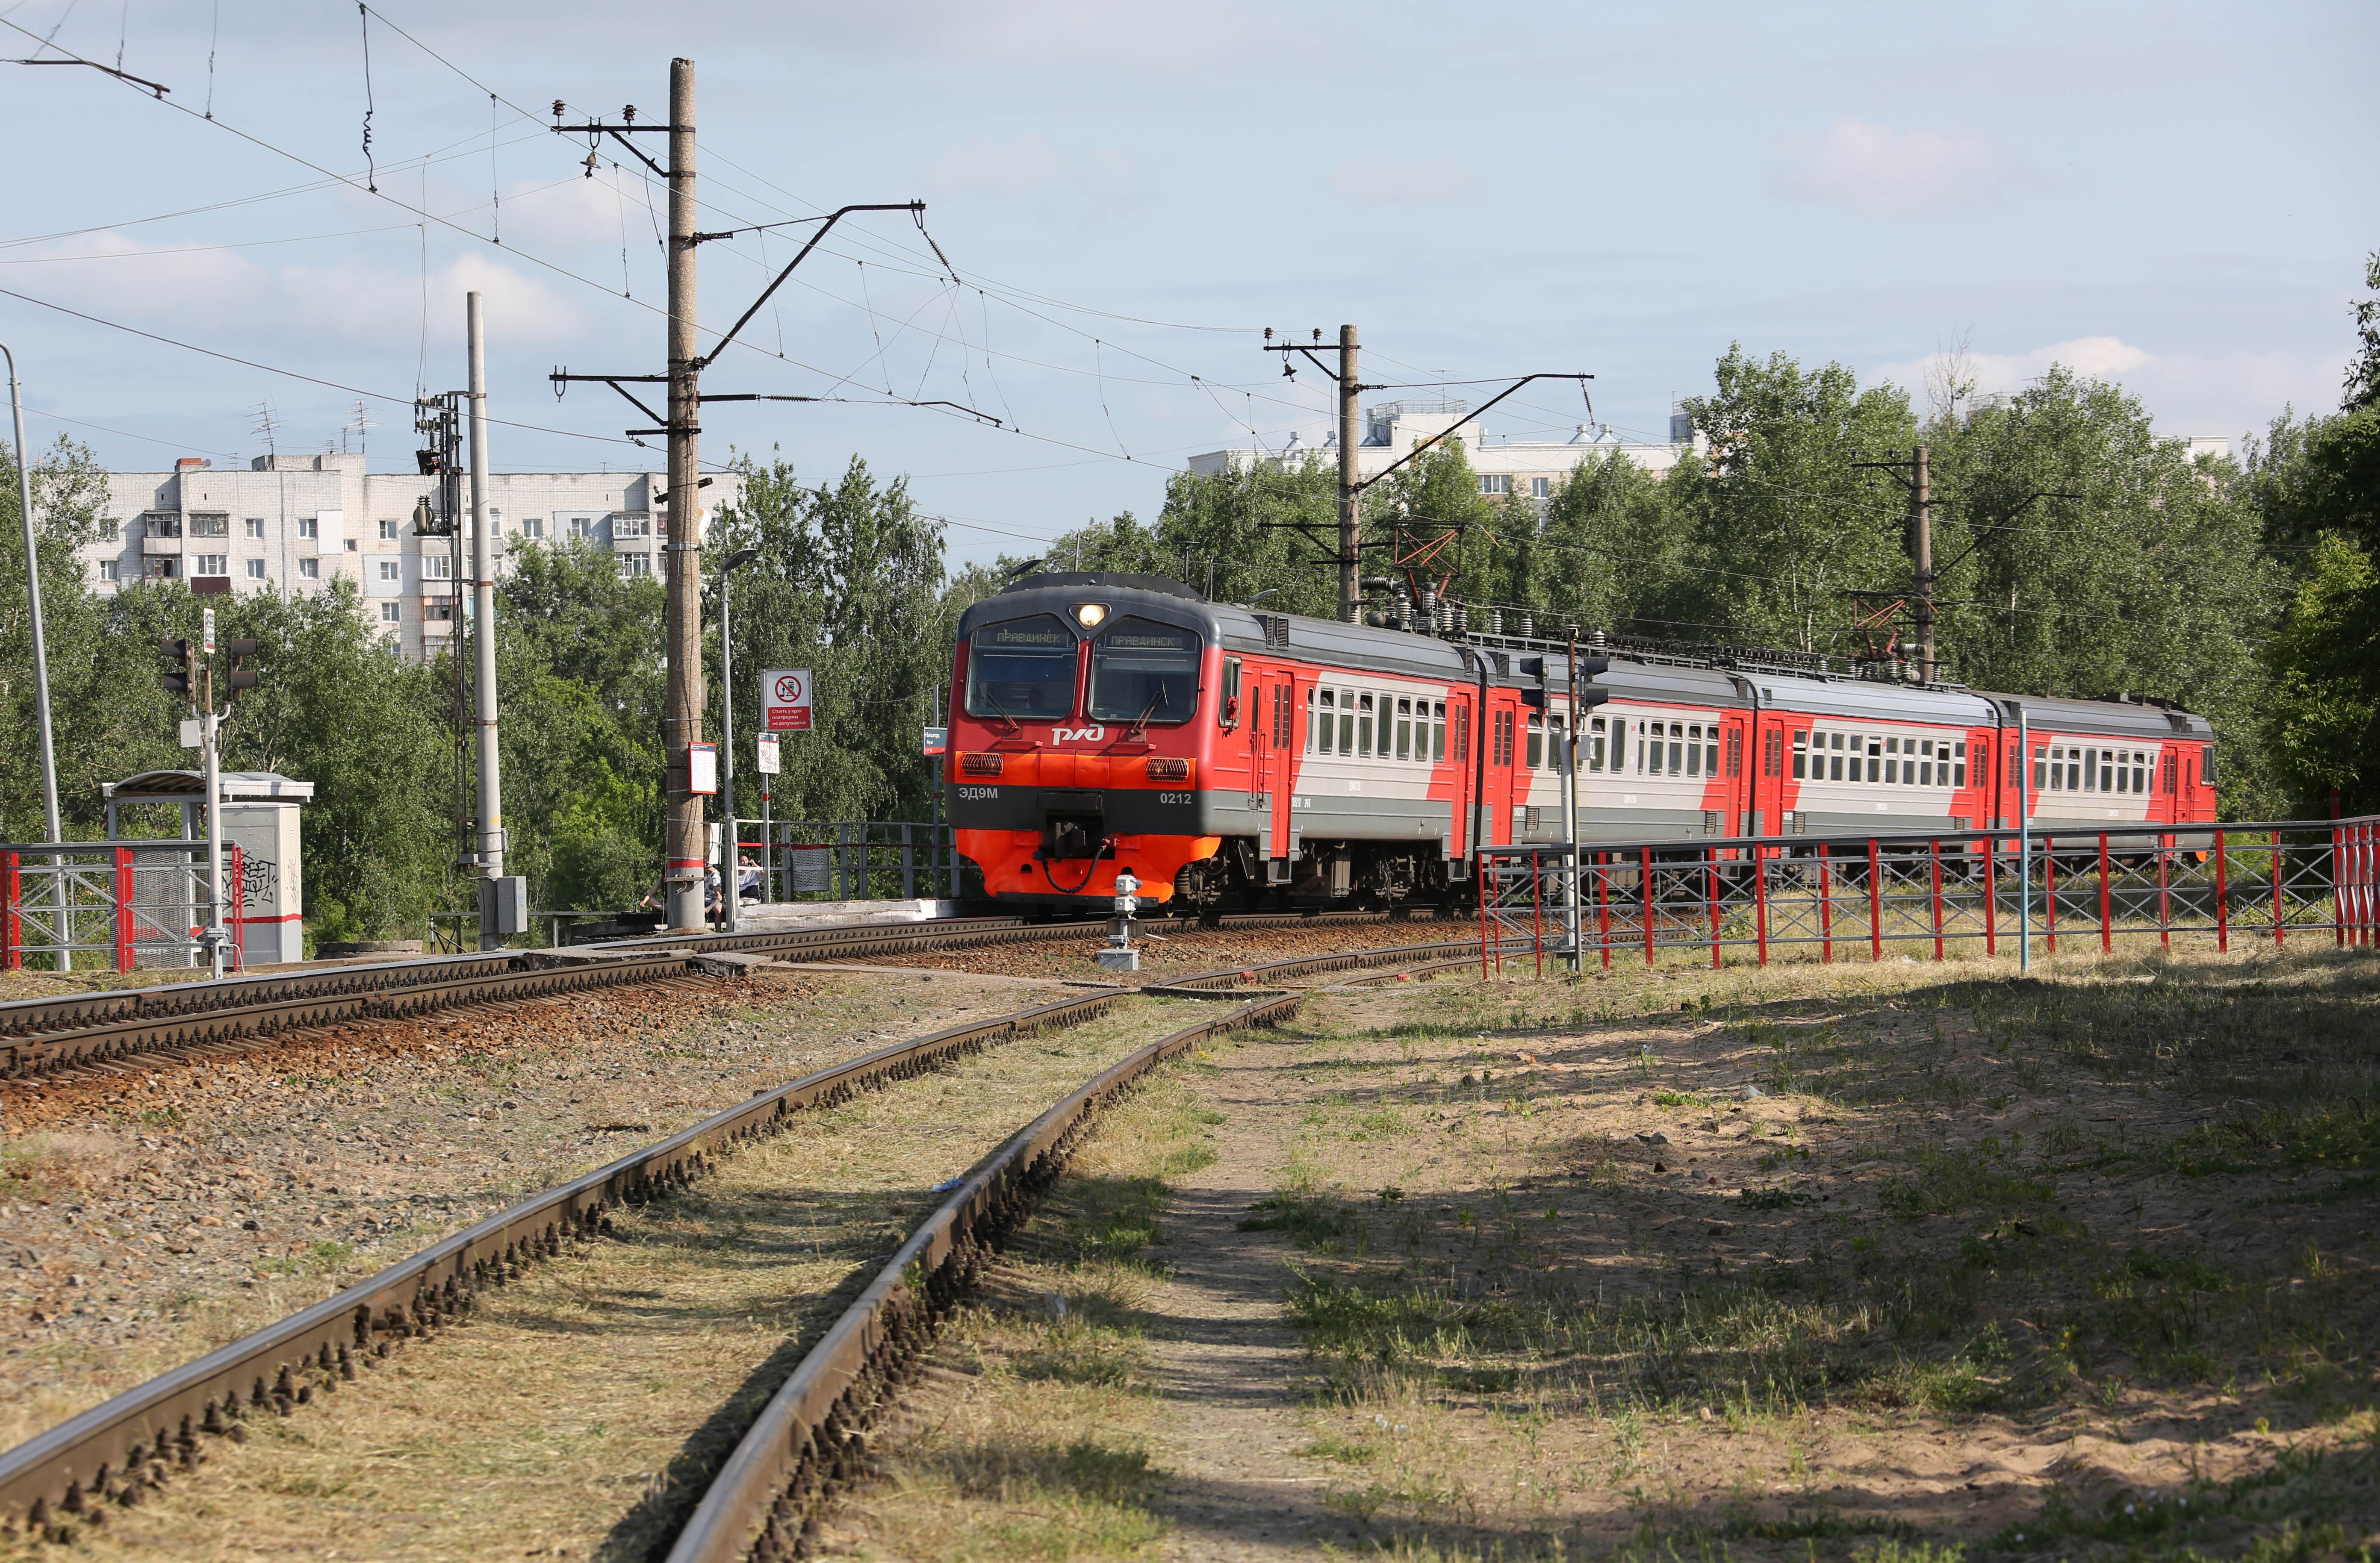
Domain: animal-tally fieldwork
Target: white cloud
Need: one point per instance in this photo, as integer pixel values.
(2188, 394)
(1373, 182)
(1888, 171)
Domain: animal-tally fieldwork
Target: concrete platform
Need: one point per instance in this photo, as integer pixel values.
(779, 916)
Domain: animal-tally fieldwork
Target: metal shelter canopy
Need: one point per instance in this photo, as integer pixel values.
(190, 786)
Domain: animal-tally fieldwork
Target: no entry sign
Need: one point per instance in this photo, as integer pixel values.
(785, 700)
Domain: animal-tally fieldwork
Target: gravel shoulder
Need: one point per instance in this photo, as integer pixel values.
(150, 1216)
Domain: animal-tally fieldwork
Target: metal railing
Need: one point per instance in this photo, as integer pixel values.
(121, 904)
(1847, 897)
(853, 859)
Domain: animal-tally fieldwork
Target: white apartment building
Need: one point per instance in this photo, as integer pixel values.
(292, 524)
(1534, 469)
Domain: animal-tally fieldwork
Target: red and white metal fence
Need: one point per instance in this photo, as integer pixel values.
(89, 905)
(1855, 897)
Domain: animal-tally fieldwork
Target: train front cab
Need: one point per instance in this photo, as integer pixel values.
(1076, 752)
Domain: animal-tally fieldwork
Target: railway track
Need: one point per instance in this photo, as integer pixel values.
(808, 1437)
(99, 1032)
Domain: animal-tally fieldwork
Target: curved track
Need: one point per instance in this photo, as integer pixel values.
(806, 1440)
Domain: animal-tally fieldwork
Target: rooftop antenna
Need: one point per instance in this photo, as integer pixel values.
(266, 425)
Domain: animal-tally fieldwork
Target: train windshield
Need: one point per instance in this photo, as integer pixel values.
(1143, 672)
(1023, 669)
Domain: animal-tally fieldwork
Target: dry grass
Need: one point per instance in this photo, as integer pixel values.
(1924, 1254)
(1036, 1445)
(582, 1412)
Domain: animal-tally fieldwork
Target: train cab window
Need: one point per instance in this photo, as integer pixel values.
(1404, 730)
(1436, 730)
(1363, 728)
(1536, 741)
(2207, 766)
(1325, 726)
(1227, 709)
(1143, 672)
(1801, 756)
(1022, 670)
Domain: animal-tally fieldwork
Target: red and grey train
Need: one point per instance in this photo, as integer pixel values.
(1231, 758)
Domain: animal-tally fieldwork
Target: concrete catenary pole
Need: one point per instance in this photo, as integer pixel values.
(483, 624)
(682, 721)
(1921, 549)
(1350, 553)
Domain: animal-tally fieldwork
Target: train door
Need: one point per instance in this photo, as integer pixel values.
(1461, 732)
(2173, 776)
(1736, 745)
(1280, 709)
(1768, 776)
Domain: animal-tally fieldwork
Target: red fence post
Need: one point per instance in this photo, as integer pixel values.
(237, 901)
(1710, 896)
(2164, 912)
(1603, 905)
(1934, 851)
(1875, 902)
(2106, 924)
(2222, 901)
(123, 909)
(1760, 899)
(1826, 908)
(2280, 918)
(12, 932)
(1480, 883)
(1991, 895)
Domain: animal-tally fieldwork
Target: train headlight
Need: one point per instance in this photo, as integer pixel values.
(1161, 768)
(1090, 615)
(979, 764)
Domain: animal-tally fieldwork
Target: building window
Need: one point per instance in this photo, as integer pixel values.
(164, 526)
(437, 567)
(388, 613)
(631, 527)
(1495, 482)
(114, 532)
(351, 545)
(165, 567)
(388, 531)
(1540, 487)
(391, 570)
(310, 569)
(253, 526)
(438, 612)
(212, 564)
(532, 526)
(209, 525)
(107, 569)
(256, 569)
(636, 563)
(582, 525)
(307, 527)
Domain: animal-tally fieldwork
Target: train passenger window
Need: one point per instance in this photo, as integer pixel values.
(1311, 696)
(1364, 726)
(1695, 749)
(1327, 726)
(1875, 758)
(1677, 731)
(1959, 762)
(1925, 766)
(1892, 762)
(1023, 668)
(1597, 733)
(1710, 751)
(2090, 771)
(1436, 730)
(1557, 728)
(1144, 671)
(1801, 756)
(2141, 771)
(2040, 767)
(1536, 741)
(1346, 721)
(1834, 757)
(1404, 730)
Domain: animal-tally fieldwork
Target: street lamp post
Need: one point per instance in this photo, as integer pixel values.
(731, 853)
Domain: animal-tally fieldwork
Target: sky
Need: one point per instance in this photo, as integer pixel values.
(1121, 199)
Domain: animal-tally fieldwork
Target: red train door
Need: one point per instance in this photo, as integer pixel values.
(1280, 726)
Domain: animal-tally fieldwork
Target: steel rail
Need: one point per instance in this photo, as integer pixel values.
(811, 1438)
(120, 1450)
(1222, 982)
(96, 1030)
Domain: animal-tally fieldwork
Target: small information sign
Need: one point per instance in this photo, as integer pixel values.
(938, 741)
(702, 768)
(767, 746)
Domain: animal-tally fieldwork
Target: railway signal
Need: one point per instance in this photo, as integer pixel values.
(181, 673)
